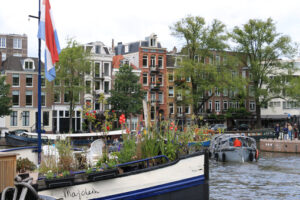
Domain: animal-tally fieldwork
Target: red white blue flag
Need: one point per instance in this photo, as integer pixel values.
(47, 32)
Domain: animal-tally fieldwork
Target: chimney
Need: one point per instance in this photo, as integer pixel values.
(113, 45)
(174, 50)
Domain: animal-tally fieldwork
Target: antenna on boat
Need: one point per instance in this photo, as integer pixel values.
(39, 89)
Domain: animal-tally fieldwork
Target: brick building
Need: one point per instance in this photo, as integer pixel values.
(13, 45)
(22, 74)
(149, 58)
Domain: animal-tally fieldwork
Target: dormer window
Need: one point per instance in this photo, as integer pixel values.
(28, 65)
(153, 40)
(97, 49)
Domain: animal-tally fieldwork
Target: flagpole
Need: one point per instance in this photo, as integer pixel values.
(39, 96)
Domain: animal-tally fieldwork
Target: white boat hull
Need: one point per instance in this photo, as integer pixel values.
(185, 175)
(235, 154)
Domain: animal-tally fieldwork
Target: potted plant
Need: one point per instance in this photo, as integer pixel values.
(57, 180)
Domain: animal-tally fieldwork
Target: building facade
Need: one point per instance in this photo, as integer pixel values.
(22, 74)
(148, 58)
(13, 45)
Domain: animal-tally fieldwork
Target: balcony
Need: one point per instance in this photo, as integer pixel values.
(154, 70)
(98, 76)
(154, 87)
(100, 91)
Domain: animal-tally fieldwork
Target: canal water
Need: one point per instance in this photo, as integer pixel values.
(274, 176)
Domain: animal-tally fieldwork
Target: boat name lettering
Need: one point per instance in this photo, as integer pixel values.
(79, 193)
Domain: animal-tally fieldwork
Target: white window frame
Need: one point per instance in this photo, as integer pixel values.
(252, 105)
(15, 76)
(225, 103)
(29, 93)
(14, 118)
(25, 118)
(171, 105)
(217, 106)
(171, 91)
(161, 97)
(17, 43)
(161, 59)
(2, 42)
(147, 64)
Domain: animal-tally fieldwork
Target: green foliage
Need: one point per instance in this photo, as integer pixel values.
(89, 170)
(128, 151)
(5, 100)
(49, 174)
(262, 48)
(126, 96)
(204, 41)
(73, 64)
(149, 146)
(24, 164)
(65, 155)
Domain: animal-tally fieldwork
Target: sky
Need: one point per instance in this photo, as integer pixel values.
(133, 20)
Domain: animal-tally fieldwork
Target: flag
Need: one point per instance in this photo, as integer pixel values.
(47, 32)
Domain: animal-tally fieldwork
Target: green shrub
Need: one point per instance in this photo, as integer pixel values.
(24, 164)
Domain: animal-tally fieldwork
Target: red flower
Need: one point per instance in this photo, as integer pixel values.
(94, 111)
(107, 128)
(86, 114)
(171, 128)
(175, 128)
(113, 111)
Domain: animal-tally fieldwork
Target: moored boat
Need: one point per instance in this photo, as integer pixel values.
(222, 148)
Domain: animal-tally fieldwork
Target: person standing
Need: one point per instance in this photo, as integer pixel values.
(296, 131)
(285, 132)
(277, 130)
(290, 129)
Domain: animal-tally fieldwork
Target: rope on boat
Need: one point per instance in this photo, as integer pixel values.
(24, 186)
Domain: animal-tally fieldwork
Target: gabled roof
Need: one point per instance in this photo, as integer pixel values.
(117, 62)
(16, 63)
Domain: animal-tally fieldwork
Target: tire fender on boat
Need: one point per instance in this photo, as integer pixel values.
(223, 157)
(216, 156)
(256, 155)
(251, 156)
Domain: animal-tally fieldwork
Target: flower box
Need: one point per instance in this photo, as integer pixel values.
(59, 182)
(101, 175)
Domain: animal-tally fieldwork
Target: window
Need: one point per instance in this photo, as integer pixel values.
(188, 79)
(187, 109)
(97, 106)
(66, 97)
(3, 56)
(29, 80)
(252, 105)
(29, 65)
(274, 104)
(56, 82)
(145, 78)
(171, 108)
(171, 91)
(145, 61)
(14, 118)
(57, 96)
(153, 97)
(2, 42)
(87, 87)
(171, 77)
(177, 62)
(43, 96)
(210, 60)
(210, 92)
(29, 98)
(43, 83)
(251, 91)
(217, 92)
(17, 43)
(16, 80)
(179, 110)
(244, 73)
(160, 62)
(97, 49)
(106, 69)
(218, 60)
(152, 61)
(160, 80)
(217, 106)
(25, 118)
(97, 69)
(179, 96)
(106, 87)
(146, 96)
(152, 79)
(106, 107)
(161, 97)
(225, 92)
(225, 105)
(210, 105)
(15, 97)
(196, 58)
(152, 113)
(46, 118)
(152, 42)
(97, 85)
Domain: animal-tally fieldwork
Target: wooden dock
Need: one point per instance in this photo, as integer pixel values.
(284, 146)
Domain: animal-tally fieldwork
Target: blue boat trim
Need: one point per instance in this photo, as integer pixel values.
(18, 148)
(158, 190)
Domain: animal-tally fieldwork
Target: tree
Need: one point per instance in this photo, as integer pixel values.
(73, 64)
(5, 100)
(207, 78)
(264, 48)
(127, 95)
